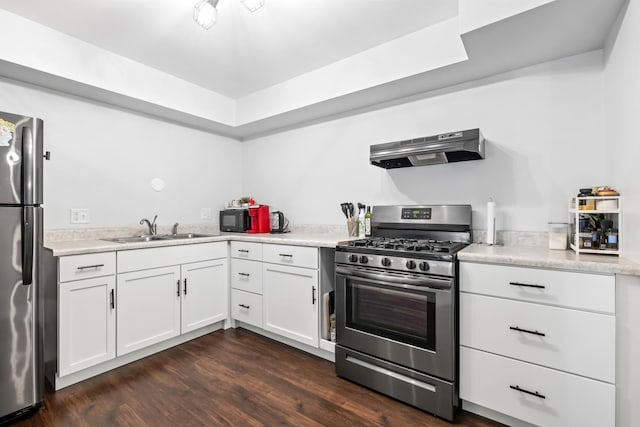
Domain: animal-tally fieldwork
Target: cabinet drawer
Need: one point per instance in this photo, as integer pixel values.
(574, 341)
(563, 288)
(246, 275)
(77, 267)
(298, 256)
(569, 400)
(246, 250)
(246, 307)
(143, 259)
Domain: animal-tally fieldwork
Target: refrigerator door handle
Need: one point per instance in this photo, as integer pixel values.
(27, 246)
(28, 148)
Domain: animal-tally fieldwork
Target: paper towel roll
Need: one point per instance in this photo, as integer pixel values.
(491, 222)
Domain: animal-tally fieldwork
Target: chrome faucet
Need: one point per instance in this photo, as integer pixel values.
(152, 225)
(174, 229)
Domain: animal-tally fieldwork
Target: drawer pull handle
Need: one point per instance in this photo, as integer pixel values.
(244, 306)
(532, 393)
(112, 299)
(86, 267)
(526, 331)
(244, 250)
(286, 255)
(526, 285)
(244, 274)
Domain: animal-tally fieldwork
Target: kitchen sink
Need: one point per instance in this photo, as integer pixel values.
(147, 238)
(135, 239)
(184, 236)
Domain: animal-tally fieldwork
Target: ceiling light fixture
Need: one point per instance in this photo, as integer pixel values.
(206, 14)
(252, 5)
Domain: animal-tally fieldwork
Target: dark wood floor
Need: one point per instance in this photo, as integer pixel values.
(232, 377)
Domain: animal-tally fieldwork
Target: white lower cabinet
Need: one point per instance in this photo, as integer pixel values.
(87, 323)
(246, 307)
(148, 307)
(290, 302)
(537, 346)
(159, 303)
(275, 287)
(204, 294)
(535, 394)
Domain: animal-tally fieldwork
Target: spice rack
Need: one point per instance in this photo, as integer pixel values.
(584, 212)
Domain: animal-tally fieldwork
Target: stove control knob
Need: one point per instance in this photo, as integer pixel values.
(364, 259)
(353, 258)
(386, 262)
(411, 265)
(424, 266)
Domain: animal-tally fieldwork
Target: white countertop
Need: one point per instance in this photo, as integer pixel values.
(315, 239)
(531, 256)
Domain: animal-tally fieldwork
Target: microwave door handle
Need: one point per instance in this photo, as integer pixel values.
(27, 246)
(409, 283)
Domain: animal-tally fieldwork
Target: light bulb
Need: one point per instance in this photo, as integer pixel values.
(252, 5)
(205, 13)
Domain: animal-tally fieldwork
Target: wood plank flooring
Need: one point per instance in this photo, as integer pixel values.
(234, 378)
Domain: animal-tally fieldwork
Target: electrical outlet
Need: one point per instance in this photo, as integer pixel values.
(205, 213)
(79, 216)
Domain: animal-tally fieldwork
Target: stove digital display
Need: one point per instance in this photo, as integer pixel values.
(416, 213)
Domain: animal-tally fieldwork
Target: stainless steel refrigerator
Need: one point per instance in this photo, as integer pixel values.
(21, 287)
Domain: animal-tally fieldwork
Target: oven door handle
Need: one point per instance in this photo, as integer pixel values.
(409, 283)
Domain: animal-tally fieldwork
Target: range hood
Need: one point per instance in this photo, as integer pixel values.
(444, 148)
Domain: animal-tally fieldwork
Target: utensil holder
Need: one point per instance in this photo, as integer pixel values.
(352, 227)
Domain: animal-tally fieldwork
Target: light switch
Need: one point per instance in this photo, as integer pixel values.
(79, 216)
(205, 213)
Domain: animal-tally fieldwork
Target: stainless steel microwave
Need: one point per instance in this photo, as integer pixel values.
(236, 220)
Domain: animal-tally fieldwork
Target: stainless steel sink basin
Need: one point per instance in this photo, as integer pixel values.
(135, 239)
(141, 239)
(185, 236)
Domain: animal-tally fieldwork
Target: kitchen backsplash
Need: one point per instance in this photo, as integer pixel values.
(67, 234)
(507, 238)
(514, 238)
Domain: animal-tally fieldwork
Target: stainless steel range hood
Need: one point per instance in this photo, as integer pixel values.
(445, 148)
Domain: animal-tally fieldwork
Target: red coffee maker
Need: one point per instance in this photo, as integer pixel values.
(260, 219)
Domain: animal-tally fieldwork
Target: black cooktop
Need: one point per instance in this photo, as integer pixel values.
(408, 245)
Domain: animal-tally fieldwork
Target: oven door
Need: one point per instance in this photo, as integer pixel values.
(405, 319)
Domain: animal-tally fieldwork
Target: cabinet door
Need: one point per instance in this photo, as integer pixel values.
(87, 334)
(204, 294)
(148, 308)
(290, 302)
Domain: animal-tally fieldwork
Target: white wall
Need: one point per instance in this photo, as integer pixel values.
(104, 159)
(622, 89)
(545, 132)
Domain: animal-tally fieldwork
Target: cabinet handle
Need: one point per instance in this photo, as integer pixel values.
(244, 274)
(532, 393)
(286, 255)
(185, 285)
(313, 295)
(526, 285)
(178, 291)
(244, 306)
(112, 299)
(244, 250)
(526, 331)
(85, 267)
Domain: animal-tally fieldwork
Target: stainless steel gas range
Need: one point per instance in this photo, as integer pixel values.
(396, 305)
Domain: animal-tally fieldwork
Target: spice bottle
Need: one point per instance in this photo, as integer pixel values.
(595, 239)
(612, 238)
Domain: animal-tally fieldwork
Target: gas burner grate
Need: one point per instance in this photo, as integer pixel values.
(409, 245)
